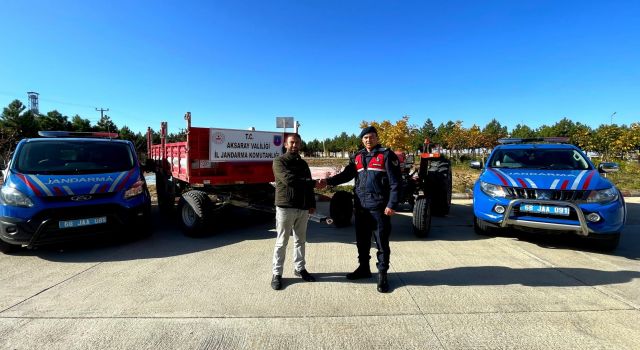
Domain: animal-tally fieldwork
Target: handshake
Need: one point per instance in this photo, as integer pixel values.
(321, 183)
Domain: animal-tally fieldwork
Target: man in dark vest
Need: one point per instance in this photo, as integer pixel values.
(377, 184)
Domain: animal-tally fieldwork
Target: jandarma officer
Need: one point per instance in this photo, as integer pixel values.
(377, 184)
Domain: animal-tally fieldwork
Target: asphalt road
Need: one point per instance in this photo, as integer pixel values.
(452, 290)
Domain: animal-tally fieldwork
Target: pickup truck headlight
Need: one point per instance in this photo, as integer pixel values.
(603, 196)
(135, 189)
(11, 196)
(492, 190)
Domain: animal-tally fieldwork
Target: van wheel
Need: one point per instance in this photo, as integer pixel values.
(194, 211)
(422, 217)
(341, 208)
(7, 248)
(165, 191)
(144, 225)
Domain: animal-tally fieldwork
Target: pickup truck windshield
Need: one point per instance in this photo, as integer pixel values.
(536, 158)
(73, 157)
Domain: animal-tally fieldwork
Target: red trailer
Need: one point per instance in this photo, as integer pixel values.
(214, 168)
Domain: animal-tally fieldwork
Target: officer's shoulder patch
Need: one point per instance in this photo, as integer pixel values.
(395, 162)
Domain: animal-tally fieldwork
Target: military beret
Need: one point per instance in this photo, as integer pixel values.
(368, 130)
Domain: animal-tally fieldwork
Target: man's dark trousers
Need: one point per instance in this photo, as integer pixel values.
(368, 221)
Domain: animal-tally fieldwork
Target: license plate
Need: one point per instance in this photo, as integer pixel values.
(544, 209)
(82, 222)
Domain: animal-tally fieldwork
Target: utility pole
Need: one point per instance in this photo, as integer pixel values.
(102, 110)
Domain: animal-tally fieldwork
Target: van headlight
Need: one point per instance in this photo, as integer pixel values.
(603, 196)
(11, 196)
(492, 190)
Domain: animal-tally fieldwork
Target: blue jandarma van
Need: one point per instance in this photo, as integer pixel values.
(66, 186)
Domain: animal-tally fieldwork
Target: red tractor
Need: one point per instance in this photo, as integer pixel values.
(427, 190)
(433, 187)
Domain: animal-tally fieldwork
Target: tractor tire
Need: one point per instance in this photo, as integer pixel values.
(440, 186)
(165, 191)
(341, 208)
(194, 210)
(422, 217)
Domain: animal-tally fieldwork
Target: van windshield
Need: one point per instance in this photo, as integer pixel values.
(536, 158)
(74, 157)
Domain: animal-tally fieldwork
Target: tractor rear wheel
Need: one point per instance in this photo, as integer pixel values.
(341, 208)
(440, 186)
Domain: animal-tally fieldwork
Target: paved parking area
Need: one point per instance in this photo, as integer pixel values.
(452, 290)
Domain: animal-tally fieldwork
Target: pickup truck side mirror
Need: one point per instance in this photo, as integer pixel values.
(608, 167)
(475, 164)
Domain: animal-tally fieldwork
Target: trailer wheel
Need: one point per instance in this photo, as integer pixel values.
(165, 192)
(194, 209)
(440, 185)
(341, 208)
(422, 217)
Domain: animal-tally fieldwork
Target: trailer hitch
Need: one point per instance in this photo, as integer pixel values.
(321, 218)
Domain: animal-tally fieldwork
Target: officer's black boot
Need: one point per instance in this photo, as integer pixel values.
(363, 271)
(383, 284)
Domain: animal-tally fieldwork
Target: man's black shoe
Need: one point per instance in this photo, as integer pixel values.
(276, 282)
(306, 276)
(383, 284)
(363, 271)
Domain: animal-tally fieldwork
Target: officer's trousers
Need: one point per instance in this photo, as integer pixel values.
(374, 222)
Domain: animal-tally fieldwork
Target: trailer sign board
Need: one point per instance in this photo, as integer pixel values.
(228, 145)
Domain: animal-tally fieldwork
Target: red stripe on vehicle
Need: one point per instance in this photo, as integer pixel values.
(58, 191)
(565, 183)
(524, 184)
(504, 181)
(588, 180)
(103, 188)
(31, 186)
(123, 182)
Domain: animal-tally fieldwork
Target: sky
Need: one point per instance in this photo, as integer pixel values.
(330, 64)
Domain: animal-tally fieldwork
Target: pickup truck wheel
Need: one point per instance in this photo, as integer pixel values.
(606, 244)
(341, 208)
(194, 209)
(481, 227)
(7, 248)
(422, 217)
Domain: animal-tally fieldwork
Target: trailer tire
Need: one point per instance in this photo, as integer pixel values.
(194, 212)
(341, 208)
(422, 217)
(440, 186)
